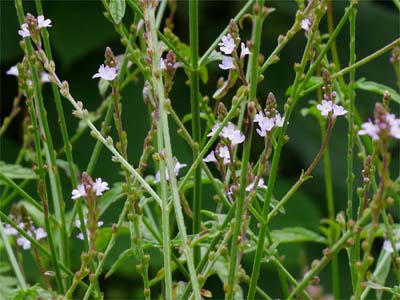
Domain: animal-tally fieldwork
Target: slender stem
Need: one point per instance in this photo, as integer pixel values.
(277, 151)
(356, 65)
(239, 212)
(195, 107)
(350, 139)
(164, 129)
(333, 250)
(13, 260)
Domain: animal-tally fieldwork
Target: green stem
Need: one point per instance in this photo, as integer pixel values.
(252, 76)
(164, 129)
(13, 260)
(350, 139)
(50, 154)
(195, 107)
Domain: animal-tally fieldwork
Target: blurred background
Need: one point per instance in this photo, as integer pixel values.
(79, 36)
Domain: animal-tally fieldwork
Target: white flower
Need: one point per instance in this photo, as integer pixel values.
(106, 72)
(227, 45)
(100, 186)
(40, 233)
(370, 129)
(44, 77)
(9, 230)
(13, 71)
(210, 157)
(279, 120)
(162, 64)
(338, 110)
(214, 129)
(227, 63)
(233, 134)
(223, 152)
(42, 22)
(79, 192)
(305, 24)
(387, 246)
(325, 107)
(244, 50)
(260, 184)
(24, 31)
(177, 167)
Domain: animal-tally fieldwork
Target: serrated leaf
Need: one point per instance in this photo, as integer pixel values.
(16, 172)
(296, 235)
(120, 260)
(377, 88)
(117, 10)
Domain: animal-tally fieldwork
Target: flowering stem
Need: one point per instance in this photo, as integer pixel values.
(244, 10)
(50, 154)
(195, 108)
(13, 260)
(164, 131)
(275, 159)
(252, 74)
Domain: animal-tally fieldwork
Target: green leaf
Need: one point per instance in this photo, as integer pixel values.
(377, 88)
(311, 82)
(8, 284)
(16, 172)
(120, 260)
(62, 164)
(214, 56)
(296, 235)
(117, 10)
(104, 235)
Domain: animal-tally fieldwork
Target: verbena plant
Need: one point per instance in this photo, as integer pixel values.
(196, 243)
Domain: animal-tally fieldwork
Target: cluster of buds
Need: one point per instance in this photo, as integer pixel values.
(269, 118)
(169, 66)
(24, 221)
(384, 126)
(31, 27)
(327, 107)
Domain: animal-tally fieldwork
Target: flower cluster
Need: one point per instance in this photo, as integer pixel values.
(385, 124)
(228, 46)
(98, 187)
(327, 107)
(36, 233)
(228, 132)
(177, 167)
(39, 23)
(222, 152)
(78, 225)
(266, 124)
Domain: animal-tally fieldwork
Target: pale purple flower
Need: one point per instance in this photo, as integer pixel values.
(210, 157)
(325, 107)
(223, 152)
(338, 110)
(227, 45)
(394, 125)
(244, 50)
(24, 31)
(233, 134)
(9, 230)
(279, 120)
(24, 242)
(40, 233)
(79, 192)
(227, 63)
(305, 24)
(267, 124)
(370, 129)
(162, 64)
(13, 71)
(43, 23)
(387, 246)
(99, 186)
(214, 129)
(260, 184)
(106, 72)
